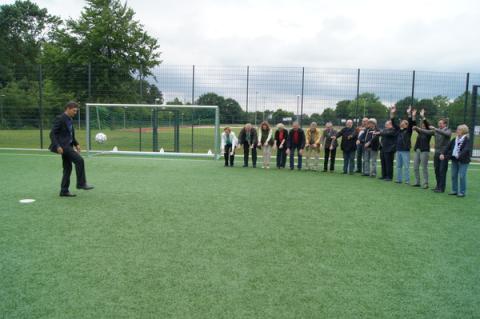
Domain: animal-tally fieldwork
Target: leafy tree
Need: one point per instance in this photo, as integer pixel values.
(107, 36)
(343, 109)
(24, 28)
(441, 102)
(279, 115)
(403, 104)
(429, 106)
(329, 115)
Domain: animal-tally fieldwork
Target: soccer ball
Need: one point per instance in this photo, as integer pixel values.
(100, 138)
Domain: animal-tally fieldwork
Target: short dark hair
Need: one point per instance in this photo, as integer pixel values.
(444, 120)
(71, 105)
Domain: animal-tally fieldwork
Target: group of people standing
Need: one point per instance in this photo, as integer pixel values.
(365, 144)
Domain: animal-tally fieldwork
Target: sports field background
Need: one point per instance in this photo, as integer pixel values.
(129, 139)
(162, 238)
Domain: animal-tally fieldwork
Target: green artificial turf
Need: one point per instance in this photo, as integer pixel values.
(174, 238)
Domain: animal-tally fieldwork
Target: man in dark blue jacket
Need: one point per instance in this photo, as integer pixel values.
(63, 142)
(296, 141)
(348, 146)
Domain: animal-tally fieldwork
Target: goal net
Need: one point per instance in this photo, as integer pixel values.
(153, 129)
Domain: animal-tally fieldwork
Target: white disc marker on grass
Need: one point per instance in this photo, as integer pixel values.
(26, 201)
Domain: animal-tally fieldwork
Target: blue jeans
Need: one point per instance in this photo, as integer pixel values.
(403, 162)
(292, 157)
(348, 161)
(459, 170)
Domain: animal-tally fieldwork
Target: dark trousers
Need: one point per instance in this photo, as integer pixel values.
(386, 159)
(70, 156)
(281, 157)
(359, 157)
(441, 168)
(227, 156)
(292, 157)
(348, 161)
(246, 152)
(329, 154)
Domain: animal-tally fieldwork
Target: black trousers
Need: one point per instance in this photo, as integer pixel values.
(70, 156)
(329, 154)
(281, 157)
(359, 158)
(246, 152)
(386, 159)
(229, 158)
(441, 168)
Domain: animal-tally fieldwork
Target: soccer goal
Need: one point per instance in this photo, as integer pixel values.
(153, 129)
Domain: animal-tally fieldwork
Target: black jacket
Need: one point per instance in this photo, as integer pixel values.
(349, 139)
(388, 142)
(301, 139)
(404, 137)
(285, 136)
(423, 139)
(465, 154)
(374, 140)
(242, 137)
(60, 134)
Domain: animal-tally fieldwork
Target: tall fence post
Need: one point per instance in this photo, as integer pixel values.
(40, 103)
(87, 109)
(301, 98)
(413, 88)
(466, 98)
(248, 79)
(474, 114)
(193, 101)
(358, 97)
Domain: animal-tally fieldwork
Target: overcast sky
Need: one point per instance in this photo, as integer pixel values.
(408, 34)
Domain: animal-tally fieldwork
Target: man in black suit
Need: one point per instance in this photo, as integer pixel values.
(64, 143)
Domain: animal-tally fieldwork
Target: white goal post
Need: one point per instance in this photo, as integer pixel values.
(215, 154)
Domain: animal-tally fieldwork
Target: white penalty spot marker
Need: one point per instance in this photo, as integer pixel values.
(26, 201)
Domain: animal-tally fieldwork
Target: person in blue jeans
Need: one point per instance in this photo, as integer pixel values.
(348, 146)
(404, 145)
(296, 141)
(459, 151)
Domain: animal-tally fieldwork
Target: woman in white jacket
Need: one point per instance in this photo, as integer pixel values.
(228, 144)
(265, 142)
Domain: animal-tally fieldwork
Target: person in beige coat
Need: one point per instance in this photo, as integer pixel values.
(265, 142)
(312, 147)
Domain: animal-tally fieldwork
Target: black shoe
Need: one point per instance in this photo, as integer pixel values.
(381, 178)
(85, 187)
(416, 185)
(324, 170)
(67, 194)
(254, 166)
(245, 165)
(438, 191)
(387, 179)
(358, 171)
(398, 182)
(453, 194)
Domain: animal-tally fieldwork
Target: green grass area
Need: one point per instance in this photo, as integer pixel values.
(130, 139)
(170, 238)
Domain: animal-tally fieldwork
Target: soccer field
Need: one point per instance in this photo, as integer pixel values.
(178, 238)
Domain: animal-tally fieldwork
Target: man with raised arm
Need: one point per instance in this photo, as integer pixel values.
(388, 146)
(422, 151)
(404, 144)
(442, 139)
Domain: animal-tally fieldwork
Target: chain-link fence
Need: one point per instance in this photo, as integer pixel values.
(31, 96)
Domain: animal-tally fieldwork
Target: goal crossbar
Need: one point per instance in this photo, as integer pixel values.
(215, 155)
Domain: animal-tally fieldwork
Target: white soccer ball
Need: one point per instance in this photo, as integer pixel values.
(101, 138)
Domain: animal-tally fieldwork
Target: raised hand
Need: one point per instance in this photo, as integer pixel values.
(409, 109)
(393, 109)
(414, 112)
(422, 113)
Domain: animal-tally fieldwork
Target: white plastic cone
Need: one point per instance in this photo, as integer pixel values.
(162, 150)
(115, 149)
